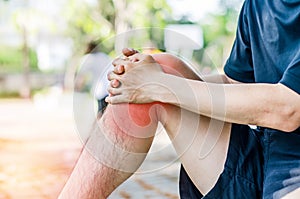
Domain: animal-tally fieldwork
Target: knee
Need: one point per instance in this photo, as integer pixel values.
(170, 63)
(136, 120)
(173, 65)
(140, 120)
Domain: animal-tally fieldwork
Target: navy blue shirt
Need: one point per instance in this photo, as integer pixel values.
(267, 45)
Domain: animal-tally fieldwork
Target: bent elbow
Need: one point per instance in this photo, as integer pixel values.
(294, 124)
(289, 120)
(288, 127)
(282, 111)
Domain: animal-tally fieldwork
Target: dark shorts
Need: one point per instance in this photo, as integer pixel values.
(261, 163)
(102, 104)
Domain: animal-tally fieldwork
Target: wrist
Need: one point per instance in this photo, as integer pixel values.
(164, 89)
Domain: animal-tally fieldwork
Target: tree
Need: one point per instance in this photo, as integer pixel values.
(27, 22)
(105, 19)
(220, 30)
(21, 18)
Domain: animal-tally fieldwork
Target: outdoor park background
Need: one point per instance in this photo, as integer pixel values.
(41, 43)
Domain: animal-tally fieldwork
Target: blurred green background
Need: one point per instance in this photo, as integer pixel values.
(41, 42)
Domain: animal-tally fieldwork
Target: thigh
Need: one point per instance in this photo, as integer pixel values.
(242, 176)
(282, 165)
(201, 144)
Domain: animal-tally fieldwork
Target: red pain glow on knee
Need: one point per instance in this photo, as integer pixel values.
(136, 120)
(140, 120)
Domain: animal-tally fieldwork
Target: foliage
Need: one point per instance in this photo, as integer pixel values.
(157, 14)
(220, 25)
(219, 32)
(11, 59)
(101, 21)
(81, 23)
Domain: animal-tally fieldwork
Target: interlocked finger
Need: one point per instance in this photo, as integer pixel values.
(115, 83)
(120, 61)
(139, 57)
(113, 91)
(112, 76)
(120, 69)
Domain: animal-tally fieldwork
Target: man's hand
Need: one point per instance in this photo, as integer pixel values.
(119, 69)
(134, 78)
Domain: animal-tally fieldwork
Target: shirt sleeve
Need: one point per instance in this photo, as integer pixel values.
(239, 64)
(291, 77)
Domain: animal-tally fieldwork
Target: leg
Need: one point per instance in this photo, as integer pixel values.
(201, 142)
(115, 149)
(123, 136)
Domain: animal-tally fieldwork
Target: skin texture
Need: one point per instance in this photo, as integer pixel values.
(266, 105)
(195, 114)
(131, 127)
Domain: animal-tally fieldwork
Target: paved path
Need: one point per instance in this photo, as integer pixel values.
(39, 147)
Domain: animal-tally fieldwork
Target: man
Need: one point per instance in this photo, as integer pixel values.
(261, 87)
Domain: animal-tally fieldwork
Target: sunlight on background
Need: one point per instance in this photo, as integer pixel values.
(195, 10)
(41, 46)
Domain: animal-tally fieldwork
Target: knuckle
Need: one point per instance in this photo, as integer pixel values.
(129, 65)
(148, 57)
(115, 83)
(110, 100)
(115, 61)
(131, 98)
(109, 75)
(111, 90)
(119, 69)
(116, 70)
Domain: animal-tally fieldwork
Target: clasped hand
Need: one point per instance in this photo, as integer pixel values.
(134, 79)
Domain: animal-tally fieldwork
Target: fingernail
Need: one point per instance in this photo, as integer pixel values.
(114, 83)
(120, 69)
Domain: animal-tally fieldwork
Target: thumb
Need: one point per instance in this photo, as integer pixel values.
(117, 99)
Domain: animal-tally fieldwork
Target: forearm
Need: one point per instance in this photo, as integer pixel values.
(217, 78)
(145, 80)
(172, 64)
(267, 105)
